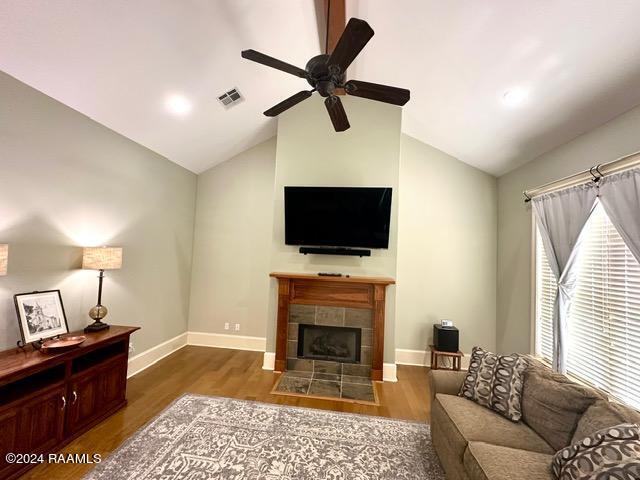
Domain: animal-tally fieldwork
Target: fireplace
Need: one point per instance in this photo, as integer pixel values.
(338, 302)
(337, 344)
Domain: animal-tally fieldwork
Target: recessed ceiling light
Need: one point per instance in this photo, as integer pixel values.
(515, 96)
(178, 104)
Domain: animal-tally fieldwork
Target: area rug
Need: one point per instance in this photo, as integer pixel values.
(200, 438)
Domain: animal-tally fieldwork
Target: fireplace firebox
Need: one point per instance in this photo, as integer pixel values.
(321, 342)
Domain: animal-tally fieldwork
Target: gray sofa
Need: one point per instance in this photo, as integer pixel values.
(475, 443)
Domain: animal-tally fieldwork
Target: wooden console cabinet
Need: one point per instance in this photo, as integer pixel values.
(46, 400)
(354, 292)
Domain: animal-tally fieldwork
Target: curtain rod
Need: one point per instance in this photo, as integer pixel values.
(594, 174)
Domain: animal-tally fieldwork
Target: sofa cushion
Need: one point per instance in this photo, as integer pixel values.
(495, 381)
(543, 369)
(484, 461)
(611, 453)
(552, 408)
(603, 414)
(447, 454)
(463, 421)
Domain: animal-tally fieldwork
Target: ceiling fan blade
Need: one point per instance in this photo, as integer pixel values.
(381, 93)
(356, 35)
(336, 113)
(273, 63)
(288, 103)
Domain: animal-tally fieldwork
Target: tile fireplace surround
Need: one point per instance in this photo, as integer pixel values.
(337, 302)
(359, 318)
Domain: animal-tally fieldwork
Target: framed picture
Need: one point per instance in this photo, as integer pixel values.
(40, 315)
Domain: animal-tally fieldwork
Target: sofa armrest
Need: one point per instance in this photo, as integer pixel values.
(445, 381)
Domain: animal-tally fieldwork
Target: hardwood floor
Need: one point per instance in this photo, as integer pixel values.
(225, 373)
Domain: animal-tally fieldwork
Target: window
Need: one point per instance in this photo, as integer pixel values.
(604, 320)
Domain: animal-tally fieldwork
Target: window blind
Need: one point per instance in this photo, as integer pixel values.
(604, 320)
(546, 286)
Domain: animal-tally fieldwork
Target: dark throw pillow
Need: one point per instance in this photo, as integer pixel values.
(495, 381)
(610, 453)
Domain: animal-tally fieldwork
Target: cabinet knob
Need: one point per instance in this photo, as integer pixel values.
(64, 402)
(75, 397)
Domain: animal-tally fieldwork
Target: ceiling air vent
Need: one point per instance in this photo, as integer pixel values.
(230, 98)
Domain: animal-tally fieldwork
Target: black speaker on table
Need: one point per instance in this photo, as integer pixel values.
(445, 339)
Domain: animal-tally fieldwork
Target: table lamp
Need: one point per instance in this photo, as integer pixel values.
(101, 259)
(4, 258)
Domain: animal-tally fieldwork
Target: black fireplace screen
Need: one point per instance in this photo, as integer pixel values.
(339, 344)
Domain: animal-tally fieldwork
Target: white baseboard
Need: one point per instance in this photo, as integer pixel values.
(269, 362)
(257, 344)
(220, 340)
(389, 372)
(147, 358)
(413, 357)
(421, 358)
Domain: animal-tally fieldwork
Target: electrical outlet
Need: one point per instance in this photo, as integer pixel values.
(237, 327)
(226, 326)
(132, 349)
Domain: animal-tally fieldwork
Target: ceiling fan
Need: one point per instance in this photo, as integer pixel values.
(326, 73)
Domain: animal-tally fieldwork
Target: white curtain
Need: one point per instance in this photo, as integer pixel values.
(620, 197)
(561, 217)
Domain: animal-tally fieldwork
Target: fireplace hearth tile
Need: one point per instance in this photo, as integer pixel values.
(324, 388)
(300, 364)
(321, 366)
(356, 380)
(356, 370)
(322, 385)
(358, 317)
(302, 313)
(331, 316)
(299, 374)
(291, 384)
(357, 392)
(334, 377)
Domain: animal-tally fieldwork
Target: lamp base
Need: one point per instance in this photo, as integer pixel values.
(96, 326)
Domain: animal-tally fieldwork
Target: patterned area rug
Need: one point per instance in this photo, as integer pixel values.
(199, 438)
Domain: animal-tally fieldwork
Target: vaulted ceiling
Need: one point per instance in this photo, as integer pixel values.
(569, 66)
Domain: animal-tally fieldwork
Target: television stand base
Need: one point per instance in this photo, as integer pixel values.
(351, 252)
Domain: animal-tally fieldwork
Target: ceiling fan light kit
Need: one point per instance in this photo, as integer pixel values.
(327, 73)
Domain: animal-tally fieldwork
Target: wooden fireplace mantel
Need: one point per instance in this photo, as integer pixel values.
(353, 292)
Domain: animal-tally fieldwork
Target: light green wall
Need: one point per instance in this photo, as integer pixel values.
(67, 182)
(446, 248)
(309, 152)
(440, 205)
(232, 245)
(612, 140)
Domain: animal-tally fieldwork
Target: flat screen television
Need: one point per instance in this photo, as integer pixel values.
(337, 216)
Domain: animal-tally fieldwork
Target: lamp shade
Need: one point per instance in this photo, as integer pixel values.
(102, 258)
(4, 258)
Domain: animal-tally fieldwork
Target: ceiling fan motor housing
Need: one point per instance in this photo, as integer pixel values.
(322, 77)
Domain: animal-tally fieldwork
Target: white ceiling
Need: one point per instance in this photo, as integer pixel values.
(117, 61)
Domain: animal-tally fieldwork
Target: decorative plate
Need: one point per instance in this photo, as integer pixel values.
(62, 343)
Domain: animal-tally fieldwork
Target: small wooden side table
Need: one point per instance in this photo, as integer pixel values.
(455, 356)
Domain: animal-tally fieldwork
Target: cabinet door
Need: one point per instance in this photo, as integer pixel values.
(8, 440)
(84, 403)
(94, 393)
(42, 422)
(113, 385)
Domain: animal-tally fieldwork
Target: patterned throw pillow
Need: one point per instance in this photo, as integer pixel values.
(610, 453)
(495, 381)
